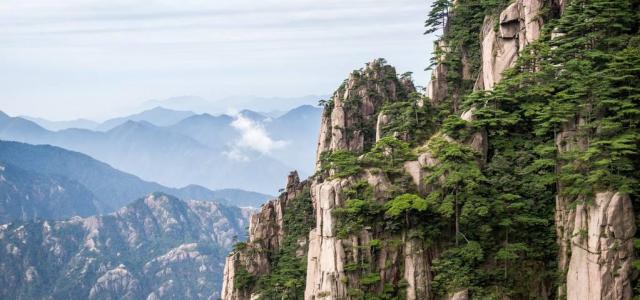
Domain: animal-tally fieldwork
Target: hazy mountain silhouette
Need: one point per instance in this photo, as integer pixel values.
(198, 149)
(60, 125)
(112, 187)
(28, 195)
(158, 116)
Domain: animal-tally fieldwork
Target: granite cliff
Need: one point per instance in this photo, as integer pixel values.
(511, 178)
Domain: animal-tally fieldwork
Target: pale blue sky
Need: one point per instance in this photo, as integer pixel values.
(94, 59)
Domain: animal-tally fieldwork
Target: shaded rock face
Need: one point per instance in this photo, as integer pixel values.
(159, 247)
(437, 88)
(348, 123)
(266, 233)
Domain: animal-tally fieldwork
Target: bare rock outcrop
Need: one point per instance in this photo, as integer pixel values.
(330, 254)
(519, 25)
(383, 120)
(417, 270)
(326, 257)
(602, 249)
(595, 236)
(355, 106)
(266, 234)
(116, 283)
(459, 295)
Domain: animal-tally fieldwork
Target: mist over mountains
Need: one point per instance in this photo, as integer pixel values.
(73, 229)
(178, 147)
(47, 182)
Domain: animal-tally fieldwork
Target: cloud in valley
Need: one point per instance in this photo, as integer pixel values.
(253, 137)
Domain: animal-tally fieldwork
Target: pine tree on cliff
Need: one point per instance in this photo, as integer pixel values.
(437, 18)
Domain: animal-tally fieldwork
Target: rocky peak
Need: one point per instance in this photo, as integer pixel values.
(348, 121)
(293, 181)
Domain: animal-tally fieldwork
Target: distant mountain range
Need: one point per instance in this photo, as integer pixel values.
(158, 247)
(59, 125)
(157, 116)
(178, 148)
(269, 106)
(52, 182)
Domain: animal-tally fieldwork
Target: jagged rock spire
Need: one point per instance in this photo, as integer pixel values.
(348, 121)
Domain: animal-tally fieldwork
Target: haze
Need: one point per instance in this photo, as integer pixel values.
(96, 59)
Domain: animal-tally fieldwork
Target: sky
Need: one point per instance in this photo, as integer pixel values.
(96, 59)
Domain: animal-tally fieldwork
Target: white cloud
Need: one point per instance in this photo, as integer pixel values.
(253, 137)
(236, 154)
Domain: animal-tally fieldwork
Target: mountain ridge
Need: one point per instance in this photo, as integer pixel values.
(157, 247)
(182, 153)
(113, 187)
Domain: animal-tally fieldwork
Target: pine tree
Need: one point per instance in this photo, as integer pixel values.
(437, 17)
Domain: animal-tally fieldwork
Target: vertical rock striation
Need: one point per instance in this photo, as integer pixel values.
(595, 236)
(266, 235)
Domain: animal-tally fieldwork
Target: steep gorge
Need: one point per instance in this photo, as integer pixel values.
(508, 180)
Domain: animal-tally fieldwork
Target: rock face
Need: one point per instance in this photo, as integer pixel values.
(519, 25)
(602, 249)
(355, 106)
(117, 283)
(331, 255)
(326, 257)
(595, 237)
(437, 89)
(266, 234)
(159, 247)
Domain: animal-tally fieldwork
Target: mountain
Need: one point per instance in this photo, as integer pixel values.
(60, 125)
(299, 128)
(253, 115)
(214, 131)
(158, 116)
(190, 103)
(112, 187)
(29, 195)
(199, 149)
(217, 106)
(13, 128)
(156, 153)
(158, 247)
(514, 177)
